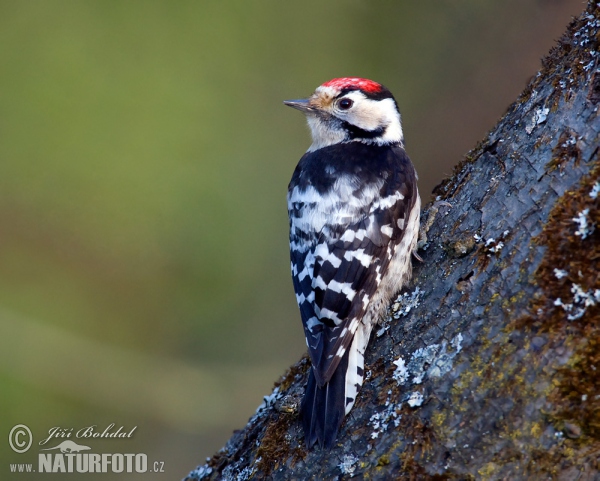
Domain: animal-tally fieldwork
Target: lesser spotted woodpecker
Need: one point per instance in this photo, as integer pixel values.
(354, 209)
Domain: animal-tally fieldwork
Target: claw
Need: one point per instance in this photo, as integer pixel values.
(417, 256)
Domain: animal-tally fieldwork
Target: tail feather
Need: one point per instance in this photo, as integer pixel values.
(324, 407)
(309, 411)
(356, 364)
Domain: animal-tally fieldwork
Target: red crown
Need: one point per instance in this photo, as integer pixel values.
(354, 83)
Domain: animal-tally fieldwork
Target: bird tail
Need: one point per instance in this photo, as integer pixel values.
(324, 407)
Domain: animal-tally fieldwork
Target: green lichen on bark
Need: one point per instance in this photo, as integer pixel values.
(568, 310)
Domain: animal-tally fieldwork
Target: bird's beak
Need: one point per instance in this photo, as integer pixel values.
(300, 104)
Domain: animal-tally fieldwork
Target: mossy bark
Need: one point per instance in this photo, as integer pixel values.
(490, 365)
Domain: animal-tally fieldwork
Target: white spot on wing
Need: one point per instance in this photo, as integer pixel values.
(319, 282)
(345, 288)
(365, 301)
(387, 230)
(387, 202)
(303, 273)
(359, 255)
(329, 314)
(348, 236)
(323, 251)
(312, 322)
(360, 234)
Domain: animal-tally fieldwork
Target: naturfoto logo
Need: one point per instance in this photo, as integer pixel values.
(68, 456)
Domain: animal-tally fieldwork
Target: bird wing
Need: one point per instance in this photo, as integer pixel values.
(336, 277)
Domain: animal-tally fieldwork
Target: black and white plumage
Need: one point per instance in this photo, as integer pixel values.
(354, 219)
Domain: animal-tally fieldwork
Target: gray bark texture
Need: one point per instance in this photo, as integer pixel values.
(488, 365)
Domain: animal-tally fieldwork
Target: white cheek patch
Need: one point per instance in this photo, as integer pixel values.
(366, 114)
(371, 115)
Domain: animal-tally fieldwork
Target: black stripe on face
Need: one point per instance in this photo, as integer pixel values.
(355, 132)
(384, 93)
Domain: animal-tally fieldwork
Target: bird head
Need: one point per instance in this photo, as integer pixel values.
(351, 109)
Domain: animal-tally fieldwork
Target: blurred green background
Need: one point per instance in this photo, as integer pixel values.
(144, 161)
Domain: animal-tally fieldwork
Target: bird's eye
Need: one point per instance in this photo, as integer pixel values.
(345, 104)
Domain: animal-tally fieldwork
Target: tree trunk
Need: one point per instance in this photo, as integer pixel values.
(488, 367)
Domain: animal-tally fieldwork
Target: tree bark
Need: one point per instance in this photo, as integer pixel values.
(488, 367)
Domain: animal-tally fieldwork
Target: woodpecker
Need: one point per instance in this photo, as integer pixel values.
(353, 207)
